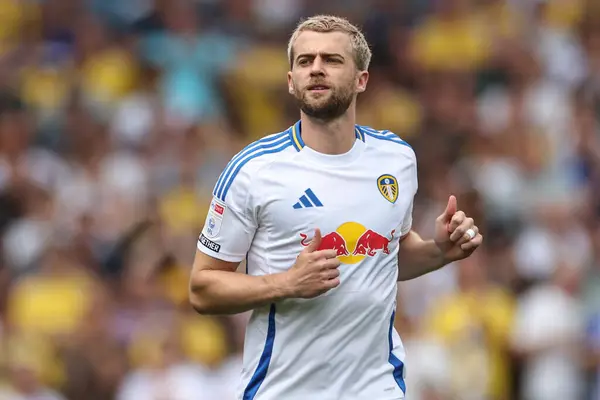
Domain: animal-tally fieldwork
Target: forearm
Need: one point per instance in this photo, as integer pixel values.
(223, 292)
(417, 257)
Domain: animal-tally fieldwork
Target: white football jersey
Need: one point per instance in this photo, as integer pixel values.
(267, 203)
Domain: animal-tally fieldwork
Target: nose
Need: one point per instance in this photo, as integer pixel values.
(317, 67)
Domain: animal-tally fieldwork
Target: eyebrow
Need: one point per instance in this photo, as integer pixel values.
(322, 54)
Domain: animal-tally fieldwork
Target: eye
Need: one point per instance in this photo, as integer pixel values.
(303, 62)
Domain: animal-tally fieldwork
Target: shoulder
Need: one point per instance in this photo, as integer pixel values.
(246, 163)
(387, 141)
(264, 150)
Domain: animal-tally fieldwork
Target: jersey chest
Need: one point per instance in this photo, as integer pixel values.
(359, 212)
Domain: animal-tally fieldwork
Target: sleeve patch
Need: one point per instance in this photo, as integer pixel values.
(209, 244)
(214, 219)
(217, 207)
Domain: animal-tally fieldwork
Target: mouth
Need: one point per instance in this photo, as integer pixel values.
(318, 88)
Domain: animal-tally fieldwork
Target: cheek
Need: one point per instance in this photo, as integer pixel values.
(349, 83)
(296, 76)
(293, 83)
(346, 79)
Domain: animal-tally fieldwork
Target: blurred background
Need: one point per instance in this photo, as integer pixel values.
(116, 117)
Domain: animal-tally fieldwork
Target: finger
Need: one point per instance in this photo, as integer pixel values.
(331, 274)
(465, 237)
(326, 254)
(315, 242)
(332, 283)
(331, 263)
(450, 210)
(460, 230)
(457, 219)
(473, 243)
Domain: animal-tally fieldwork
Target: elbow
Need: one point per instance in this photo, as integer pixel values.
(198, 298)
(200, 306)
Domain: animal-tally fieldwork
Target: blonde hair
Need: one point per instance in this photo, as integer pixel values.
(330, 23)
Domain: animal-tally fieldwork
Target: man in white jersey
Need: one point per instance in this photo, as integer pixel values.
(322, 214)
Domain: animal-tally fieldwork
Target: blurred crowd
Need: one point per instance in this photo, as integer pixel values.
(116, 118)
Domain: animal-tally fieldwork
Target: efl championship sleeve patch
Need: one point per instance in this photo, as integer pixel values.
(214, 219)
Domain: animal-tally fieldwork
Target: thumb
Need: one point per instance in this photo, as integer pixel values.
(315, 242)
(450, 209)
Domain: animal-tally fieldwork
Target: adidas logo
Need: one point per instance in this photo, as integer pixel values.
(308, 199)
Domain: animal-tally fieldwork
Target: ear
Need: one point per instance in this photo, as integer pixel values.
(361, 84)
(290, 83)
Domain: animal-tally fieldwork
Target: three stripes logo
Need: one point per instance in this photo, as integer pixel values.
(308, 199)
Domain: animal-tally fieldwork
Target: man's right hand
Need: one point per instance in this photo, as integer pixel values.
(216, 289)
(315, 271)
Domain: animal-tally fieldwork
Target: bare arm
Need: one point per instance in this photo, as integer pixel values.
(417, 257)
(215, 287)
(451, 243)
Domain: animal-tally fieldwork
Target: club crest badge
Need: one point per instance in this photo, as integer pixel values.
(388, 187)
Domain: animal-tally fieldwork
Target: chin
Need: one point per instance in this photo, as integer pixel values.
(323, 106)
(317, 105)
(317, 98)
(323, 113)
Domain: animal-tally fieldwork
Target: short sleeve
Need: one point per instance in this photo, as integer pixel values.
(408, 217)
(231, 220)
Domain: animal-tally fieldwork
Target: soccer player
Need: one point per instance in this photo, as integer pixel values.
(322, 214)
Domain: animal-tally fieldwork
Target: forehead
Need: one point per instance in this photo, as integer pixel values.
(323, 42)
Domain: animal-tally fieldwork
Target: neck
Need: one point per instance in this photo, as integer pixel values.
(329, 137)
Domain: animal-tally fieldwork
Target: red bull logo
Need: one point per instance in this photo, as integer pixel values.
(353, 242)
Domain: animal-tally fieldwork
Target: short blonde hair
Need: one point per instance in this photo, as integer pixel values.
(330, 23)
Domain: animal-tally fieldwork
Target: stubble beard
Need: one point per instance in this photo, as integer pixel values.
(337, 103)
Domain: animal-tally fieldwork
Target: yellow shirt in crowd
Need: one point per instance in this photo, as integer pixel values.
(478, 327)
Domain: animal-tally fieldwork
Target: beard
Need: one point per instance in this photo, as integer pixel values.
(327, 107)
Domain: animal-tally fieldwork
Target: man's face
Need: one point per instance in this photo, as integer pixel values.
(324, 79)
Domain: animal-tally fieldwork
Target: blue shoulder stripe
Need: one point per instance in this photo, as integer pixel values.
(268, 145)
(384, 135)
(266, 141)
